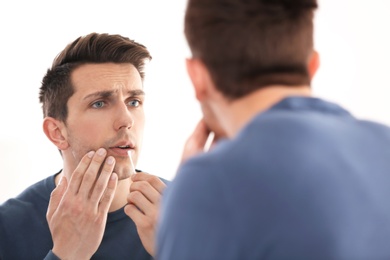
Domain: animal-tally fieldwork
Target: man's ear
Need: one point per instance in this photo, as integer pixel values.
(200, 78)
(314, 64)
(55, 131)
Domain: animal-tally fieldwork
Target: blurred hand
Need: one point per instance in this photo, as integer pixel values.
(197, 141)
(77, 211)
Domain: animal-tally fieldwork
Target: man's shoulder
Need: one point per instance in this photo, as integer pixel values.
(23, 223)
(42, 189)
(35, 197)
(26, 214)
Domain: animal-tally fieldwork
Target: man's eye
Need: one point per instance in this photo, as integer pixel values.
(98, 104)
(134, 103)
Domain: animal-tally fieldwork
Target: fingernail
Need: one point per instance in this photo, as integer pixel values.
(90, 154)
(113, 176)
(110, 160)
(101, 151)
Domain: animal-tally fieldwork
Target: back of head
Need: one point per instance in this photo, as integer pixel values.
(251, 44)
(95, 48)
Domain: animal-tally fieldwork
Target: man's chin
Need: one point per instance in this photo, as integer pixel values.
(122, 173)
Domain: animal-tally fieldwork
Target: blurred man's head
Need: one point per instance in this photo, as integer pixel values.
(239, 47)
(247, 45)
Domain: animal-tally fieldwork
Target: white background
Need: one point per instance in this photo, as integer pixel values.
(352, 37)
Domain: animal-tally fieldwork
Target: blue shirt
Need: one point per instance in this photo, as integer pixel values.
(302, 180)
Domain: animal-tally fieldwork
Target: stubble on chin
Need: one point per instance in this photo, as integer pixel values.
(122, 169)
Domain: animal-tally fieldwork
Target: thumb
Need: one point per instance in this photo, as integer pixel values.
(55, 197)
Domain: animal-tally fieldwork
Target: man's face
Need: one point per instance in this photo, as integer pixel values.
(106, 110)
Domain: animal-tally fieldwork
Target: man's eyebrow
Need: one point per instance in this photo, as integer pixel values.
(108, 93)
(100, 94)
(136, 92)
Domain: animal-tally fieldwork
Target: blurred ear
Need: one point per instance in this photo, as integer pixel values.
(56, 132)
(314, 64)
(200, 78)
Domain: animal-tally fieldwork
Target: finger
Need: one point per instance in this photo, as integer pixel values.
(55, 197)
(196, 142)
(138, 199)
(92, 172)
(108, 195)
(200, 134)
(103, 180)
(154, 181)
(78, 174)
(135, 214)
(147, 190)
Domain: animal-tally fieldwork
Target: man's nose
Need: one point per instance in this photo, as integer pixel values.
(123, 117)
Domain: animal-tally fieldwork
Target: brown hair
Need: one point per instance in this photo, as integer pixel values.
(57, 87)
(247, 45)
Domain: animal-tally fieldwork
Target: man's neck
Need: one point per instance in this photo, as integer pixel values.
(120, 197)
(236, 114)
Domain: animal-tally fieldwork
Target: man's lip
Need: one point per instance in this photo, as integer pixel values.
(129, 145)
(122, 148)
(120, 151)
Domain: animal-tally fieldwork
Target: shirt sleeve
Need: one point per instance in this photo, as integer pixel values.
(51, 256)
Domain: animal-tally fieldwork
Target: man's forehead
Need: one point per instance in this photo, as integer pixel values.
(90, 78)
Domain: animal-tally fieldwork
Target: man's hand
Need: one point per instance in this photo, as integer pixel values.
(144, 204)
(77, 211)
(197, 142)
